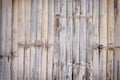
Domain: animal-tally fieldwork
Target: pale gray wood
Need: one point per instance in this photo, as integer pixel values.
(27, 17)
(6, 39)
(83, 27)
(21, 39)
(89, 38)
(69, 37)
(39, 34)
(95, 39)
(14, 40)
(63, 25)
(50, 40)
(44, 38)
(33, 36)
(76, 42)
(56, 62)
(103, 38)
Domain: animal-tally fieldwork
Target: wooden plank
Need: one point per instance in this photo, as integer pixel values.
(1, 38)
(14, 41)
(103, 38)
(0, 25)
(6, 39)
(44, 38)
(33, 36)
(56, 55)
(89, 37)
(95, 39)
(117, 42)
(50, 40)
(110, 39)
(39, 34)
(63, 24)
(76, 42)
(82, 33)
(27, 17)
(69, 36)
(21, 39)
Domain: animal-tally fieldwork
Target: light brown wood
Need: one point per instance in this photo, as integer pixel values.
(110, 39)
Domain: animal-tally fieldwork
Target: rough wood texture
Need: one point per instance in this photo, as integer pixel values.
(21, 39)
(44, 38)
(56, 55)
(110, 39)
(103, 38)
(50, 40)
(95, 39)
(69, 37)
(27, 14)
(76, 43)
(89, 36)
(117, 42)
(14, 41)
(83, 27)
(59, 39)
(62, 37)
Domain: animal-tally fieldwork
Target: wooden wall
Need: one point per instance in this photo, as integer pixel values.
(58, 39)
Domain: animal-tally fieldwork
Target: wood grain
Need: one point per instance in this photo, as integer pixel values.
(103, 38)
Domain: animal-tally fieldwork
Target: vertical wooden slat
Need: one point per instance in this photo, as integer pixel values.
(44, 38)
(103, 38)
(62, 40)
(83, 26)
(0, 37)
(117, 42)
(76, 28)
(39, 33)
(50, 40)
(69, 36)
(56, 62)
(27, 14)
(14, 41)
(6, 39)
(95, 39)
(33, 32)
(21, 39)
(110, 39)
(89, 36)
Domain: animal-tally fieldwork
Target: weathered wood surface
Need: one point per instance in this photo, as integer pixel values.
(117, 42)
(58, 39)
(103, 38)
(95, 40)
(110, 33)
